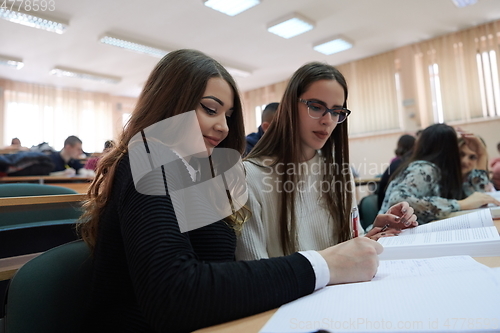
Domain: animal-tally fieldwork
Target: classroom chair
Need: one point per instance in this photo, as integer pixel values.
(20, 219)
(34, 230)
(50, 292)
(368, 210)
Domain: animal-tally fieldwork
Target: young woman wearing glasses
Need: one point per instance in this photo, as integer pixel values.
(299, 183)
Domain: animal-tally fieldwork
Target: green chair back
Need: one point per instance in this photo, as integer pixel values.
(368, 210)
(50, 292)
(10, 220)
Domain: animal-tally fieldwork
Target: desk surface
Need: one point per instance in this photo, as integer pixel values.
(81, 188)
(41, 200)
(9, 266)
(44, 179)
(366, 181)
(254, 323)
(13, 204)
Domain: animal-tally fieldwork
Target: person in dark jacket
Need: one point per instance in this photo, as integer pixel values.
(267, 117)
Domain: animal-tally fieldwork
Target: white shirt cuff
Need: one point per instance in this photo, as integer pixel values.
(319, 266)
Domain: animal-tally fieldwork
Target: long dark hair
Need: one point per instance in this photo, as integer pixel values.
(438, 144)
(176, 85)
(282, 142)
(405, 144)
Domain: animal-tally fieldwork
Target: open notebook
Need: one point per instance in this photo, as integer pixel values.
(446, 294)
(471, 234)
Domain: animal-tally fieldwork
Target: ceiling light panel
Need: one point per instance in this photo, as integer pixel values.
(333, 45)
(33, 21)
(66, 72)
(231, 7)
(463, 3)
(237, 72)
(11, 62)
(290, 26)
(133, 46)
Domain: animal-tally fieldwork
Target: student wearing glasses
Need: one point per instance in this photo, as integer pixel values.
(432, 179)
(298, 176)
(149, 274)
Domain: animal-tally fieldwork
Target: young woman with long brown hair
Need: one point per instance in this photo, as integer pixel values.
(433, 179)
(298, 175)
(148, 275)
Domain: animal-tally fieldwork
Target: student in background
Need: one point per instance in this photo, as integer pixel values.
(431, 179)
(15, 145)
(495, 170)
(299, 181)
(91, 163)
(404, 145)
(66, 161)
(267, 117)
(474, 162)
(403, 151)
(148, 276)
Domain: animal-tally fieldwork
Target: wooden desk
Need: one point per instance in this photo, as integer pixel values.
(9, 266)
(366, 181)
(44, 179)
(495, 212)
(254, 324)
(10, 204)
(81, 188)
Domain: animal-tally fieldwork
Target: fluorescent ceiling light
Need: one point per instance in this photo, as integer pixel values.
(11, 62)
(463, 3)
(333, 45)
(290, 25)
(33, 21)
(133, 46)
(113, 40)
(66, 72)
(237, 72)
(231, 7)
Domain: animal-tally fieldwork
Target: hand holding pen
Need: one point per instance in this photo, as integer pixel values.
(399, 216)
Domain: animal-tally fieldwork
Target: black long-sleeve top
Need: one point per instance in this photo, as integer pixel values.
(150, 277)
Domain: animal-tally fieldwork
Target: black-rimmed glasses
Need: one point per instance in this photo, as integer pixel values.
(317, 110)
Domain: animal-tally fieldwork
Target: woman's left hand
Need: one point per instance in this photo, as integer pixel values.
(399, 216)
(378, 232)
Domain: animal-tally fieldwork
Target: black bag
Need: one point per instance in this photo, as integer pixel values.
(26, 164)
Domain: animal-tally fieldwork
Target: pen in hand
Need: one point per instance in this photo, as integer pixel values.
(384, 228)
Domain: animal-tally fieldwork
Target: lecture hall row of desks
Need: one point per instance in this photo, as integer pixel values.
(79, 184)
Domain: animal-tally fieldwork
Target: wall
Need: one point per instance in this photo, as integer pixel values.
(2, 104)
(370, 155)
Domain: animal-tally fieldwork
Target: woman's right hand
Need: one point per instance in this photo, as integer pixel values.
(355, 260)
(476, 200)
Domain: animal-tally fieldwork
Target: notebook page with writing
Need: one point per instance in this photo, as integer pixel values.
(397, 269)
(477, 219)
(470, 234)
(467, 301)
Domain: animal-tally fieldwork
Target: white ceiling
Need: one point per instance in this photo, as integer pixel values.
(241, 41)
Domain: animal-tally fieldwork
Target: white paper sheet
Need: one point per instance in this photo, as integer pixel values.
(460, 300)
